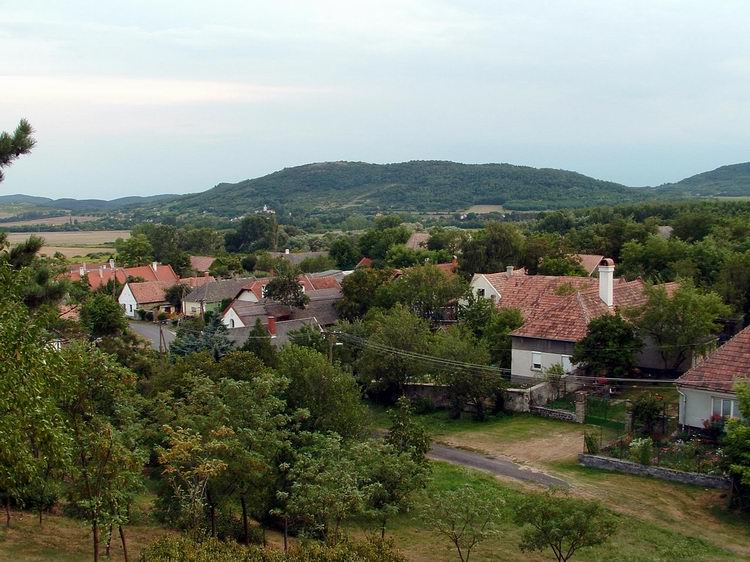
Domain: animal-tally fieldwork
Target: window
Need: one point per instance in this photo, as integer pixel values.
(131, 307)
(480, 293)
(536, 361)
(726, 408)
(231, 322)
(566, 363)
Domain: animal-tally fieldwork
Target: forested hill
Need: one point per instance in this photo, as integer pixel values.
(727, 181)
(417, 185)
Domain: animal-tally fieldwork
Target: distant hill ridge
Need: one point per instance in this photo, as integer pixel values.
(420, 185)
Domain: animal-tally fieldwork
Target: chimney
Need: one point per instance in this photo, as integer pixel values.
(509, 271)
(82, 270)
(272, 326)
(155, 266)
(607, 281)
(111, 263)
(286, 251)
(205, 274)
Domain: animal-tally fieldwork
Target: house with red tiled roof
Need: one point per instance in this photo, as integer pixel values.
(557, 311)
(201, 264)
(589, 262)
(151, 295)
(100, 275)
(707, 390)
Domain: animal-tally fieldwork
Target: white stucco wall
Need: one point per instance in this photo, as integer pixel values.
(479, 281)
(229, 316)
(521, 363)
(696, 406)
(127, 301)
(247, 296)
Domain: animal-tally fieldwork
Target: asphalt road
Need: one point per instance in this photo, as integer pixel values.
(494, 465)
(150, 331)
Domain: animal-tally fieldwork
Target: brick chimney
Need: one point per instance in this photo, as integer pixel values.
(272, 326)
(607, 281)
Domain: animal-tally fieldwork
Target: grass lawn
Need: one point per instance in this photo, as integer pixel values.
(635, 540)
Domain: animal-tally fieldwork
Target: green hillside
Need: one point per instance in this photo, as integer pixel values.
(417, 185)
(727, 181)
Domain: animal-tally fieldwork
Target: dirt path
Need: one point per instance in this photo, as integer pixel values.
(497, 466)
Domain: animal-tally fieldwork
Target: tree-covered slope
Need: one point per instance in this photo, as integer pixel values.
(727, 181)
(417, 185)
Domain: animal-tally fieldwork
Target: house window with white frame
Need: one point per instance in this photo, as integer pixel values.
(725, 407)
(536, 361)
(480, 293)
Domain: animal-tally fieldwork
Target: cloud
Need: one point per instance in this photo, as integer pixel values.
(125, 90)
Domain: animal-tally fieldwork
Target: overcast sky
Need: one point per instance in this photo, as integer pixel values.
(146, 97)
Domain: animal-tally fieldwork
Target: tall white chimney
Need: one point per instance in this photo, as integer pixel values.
(155, 266)
(607, 281)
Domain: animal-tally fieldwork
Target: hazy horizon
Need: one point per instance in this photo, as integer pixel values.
(143, 99)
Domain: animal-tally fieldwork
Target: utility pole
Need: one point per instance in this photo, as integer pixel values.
(331, 337)
(162, 342)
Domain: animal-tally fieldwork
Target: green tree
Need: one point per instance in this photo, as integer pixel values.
(136, 250)
(345, 252)
(425, 290)
(359, 290)
(330, 395)
(386, 365)
(492, 249)
(563, 265)
(259, 343)
(317, 263)
(682, 325)
(256, 232)
(733, 282)
(408, 435)
(175, 294)
(388, 232)
(465, 516)
(610, 346)
(14, 145)
(736, 447)
(471, 387)
(102, 316)
(226, 266)
(286, 289)
(100, 412)
(562, 524)
(212, 338)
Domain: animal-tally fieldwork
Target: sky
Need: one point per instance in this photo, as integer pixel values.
(146, 97)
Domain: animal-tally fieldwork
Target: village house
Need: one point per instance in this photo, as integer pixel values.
(150, 296)
(100, 274)
(250, 305)
(707, 390)
(201, 264)
(557, 311)
(210, 296)
(278, 330)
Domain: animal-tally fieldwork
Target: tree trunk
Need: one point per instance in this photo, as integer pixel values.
(124, 543)
(108, 546)
(40, 516)
(7, 512)
(245, 531)
(213, 520)
(95, 529)
(382, 530)
(286, 535)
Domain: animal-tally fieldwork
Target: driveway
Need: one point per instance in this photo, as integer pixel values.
(496, 466)
(150, 331)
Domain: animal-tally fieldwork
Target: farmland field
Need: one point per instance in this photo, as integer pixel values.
(73, 244)
(485, 209)
(51, 221)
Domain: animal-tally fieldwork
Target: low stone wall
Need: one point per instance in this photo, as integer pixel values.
(619, 465)
(437, 393)
(523, 399)
(553, 413)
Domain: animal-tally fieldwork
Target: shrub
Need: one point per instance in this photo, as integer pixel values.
(591, 442)
(641, 450)
(162, 316)
(149, 315)
(714, 427)
(140, 313)
(424, 405)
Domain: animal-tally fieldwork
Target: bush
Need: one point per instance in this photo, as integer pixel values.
(591, 442)
(172, 548)
(714, 427)
(149, 315)
(162, 316)
(424, 405)
(641, 450)
(140, 313)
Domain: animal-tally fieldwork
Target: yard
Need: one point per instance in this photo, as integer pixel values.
(552, 446)
(72, 244)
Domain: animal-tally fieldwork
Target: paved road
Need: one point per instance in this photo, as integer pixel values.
(150, 331)
(494, 465)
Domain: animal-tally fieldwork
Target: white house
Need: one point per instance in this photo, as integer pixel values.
(707, 390)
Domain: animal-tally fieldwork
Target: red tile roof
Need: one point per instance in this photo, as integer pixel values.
(723, 368)
(100, 276)
(589, 262)
(364, 262)
(195, 282)
(201, 264)
(525, 291)
(559, 317)
(418, 240)
(149, 292)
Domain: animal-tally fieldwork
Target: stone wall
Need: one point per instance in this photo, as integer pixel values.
(563, 415)
(435, 392)
(619, 465)
(523, 399)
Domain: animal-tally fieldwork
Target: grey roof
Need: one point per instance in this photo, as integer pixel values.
(218, 290)
(322, 306)
(283, 329)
